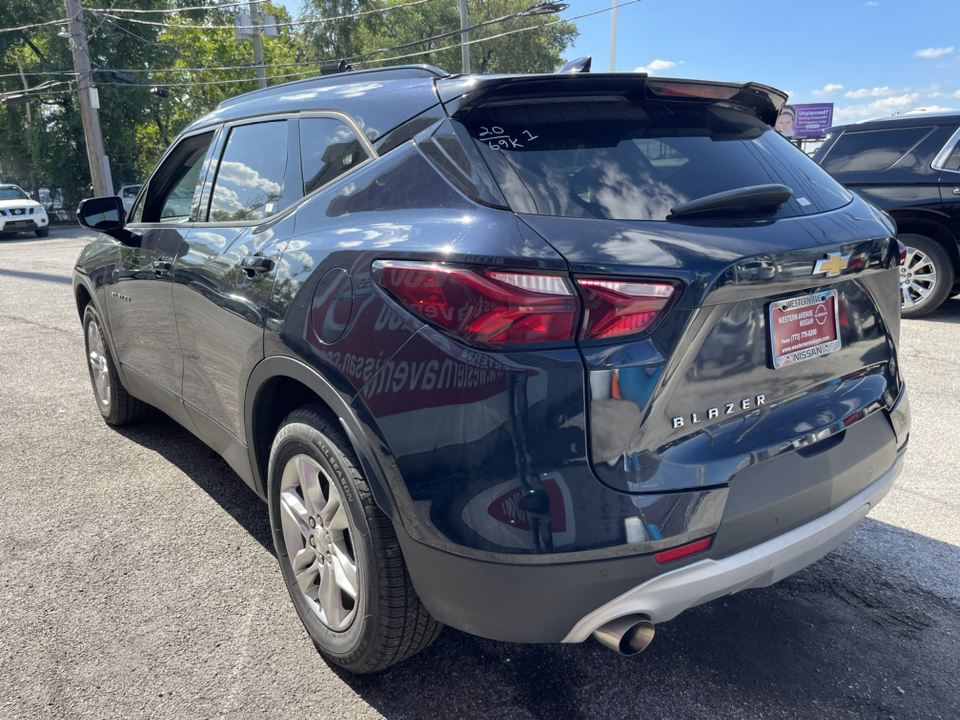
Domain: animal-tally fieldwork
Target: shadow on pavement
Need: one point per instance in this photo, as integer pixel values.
(844, 638)
(949, 312)
(859, 634)
(208, 470)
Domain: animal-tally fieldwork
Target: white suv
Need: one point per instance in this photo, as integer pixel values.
(19, 213)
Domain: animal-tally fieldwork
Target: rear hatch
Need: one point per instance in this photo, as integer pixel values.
(739, 302)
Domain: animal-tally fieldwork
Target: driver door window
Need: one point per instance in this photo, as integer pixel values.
(174, 193)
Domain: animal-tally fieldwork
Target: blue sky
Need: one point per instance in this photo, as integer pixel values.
(868, 57)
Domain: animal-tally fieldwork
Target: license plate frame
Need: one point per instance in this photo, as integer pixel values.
(791, 342)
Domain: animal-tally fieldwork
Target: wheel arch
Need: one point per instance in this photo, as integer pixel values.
(280, 385)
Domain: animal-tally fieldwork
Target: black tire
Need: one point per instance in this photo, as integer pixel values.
(385, 623)
(921, 252)
(42, 232)
(116, 405)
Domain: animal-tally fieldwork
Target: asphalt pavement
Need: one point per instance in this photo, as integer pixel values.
(137, 577)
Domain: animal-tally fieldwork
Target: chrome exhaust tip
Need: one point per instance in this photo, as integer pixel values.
(628, 635)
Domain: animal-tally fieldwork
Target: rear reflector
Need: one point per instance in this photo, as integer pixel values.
(684, 551)
(491, 308)
(615, 309)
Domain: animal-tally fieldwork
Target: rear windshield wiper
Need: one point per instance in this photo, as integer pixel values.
(756, 197)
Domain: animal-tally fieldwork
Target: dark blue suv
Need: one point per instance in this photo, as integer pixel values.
(538, 357)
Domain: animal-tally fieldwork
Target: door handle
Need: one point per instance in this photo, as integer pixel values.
(162, 266)
(256, 264)
(956, 191)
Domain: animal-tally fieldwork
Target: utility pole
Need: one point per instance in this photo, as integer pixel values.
(89, 103)
(34, 185)
(613, 37)
(258, 46)
(464, 36)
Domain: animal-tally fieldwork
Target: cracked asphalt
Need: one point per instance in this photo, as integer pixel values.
(137, 577)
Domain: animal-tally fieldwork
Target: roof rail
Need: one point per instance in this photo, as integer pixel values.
(406, 72)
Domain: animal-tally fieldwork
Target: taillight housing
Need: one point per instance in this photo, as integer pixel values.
(621, 308)
(503, 309)
(903, 252)
(493, 308)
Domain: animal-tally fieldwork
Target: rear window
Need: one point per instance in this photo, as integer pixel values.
(872, 151)
(610, 158)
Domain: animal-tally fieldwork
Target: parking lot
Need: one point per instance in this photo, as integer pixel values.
(137, 576)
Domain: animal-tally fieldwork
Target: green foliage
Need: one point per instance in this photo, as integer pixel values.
(358, 40)
(137, 125)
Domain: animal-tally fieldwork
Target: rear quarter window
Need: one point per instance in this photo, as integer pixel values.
(611, 158)
(873, 150)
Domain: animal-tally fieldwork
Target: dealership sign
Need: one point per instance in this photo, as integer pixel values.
(805, 121)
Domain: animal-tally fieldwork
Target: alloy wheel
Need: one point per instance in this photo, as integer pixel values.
(918, 278)
(99, 365)
(316, 532)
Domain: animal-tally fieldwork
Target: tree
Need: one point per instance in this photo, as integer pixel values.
(358, 39)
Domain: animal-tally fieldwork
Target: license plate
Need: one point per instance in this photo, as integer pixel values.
(804, 327)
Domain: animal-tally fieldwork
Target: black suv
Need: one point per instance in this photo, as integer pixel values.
(539, 357)
(910, 167)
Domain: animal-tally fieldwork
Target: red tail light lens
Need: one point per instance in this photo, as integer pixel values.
(684, 551)
(903, 252)
(615, 309)
(484, 307)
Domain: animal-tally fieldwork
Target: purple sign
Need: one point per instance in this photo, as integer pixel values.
(804, 121)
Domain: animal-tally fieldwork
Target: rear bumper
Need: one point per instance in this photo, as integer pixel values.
(666, 596)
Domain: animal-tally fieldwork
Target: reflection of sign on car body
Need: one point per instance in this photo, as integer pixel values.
(499, 514)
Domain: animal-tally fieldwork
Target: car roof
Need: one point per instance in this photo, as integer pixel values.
(920, 119)
(377, 99)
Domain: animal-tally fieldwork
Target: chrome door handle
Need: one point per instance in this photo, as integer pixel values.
(162, 266)
(956, 191)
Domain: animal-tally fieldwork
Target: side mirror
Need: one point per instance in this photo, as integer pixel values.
(106, 215)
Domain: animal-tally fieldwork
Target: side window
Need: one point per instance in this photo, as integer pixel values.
(872, 151)
(953, 162)
(250, 178)
(329, 148)
(175, 186)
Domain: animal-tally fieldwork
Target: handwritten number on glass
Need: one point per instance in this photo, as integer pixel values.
(498, 139)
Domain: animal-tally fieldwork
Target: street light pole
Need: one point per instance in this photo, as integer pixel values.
(89, 105)
(464, 36)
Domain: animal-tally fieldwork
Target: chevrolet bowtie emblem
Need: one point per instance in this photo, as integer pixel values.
(833, 264)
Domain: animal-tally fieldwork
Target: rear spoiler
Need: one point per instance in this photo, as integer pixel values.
(463, 93)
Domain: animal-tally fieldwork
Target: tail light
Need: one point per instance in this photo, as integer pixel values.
(484, 307)
(615, 309)
(903, 252)
(504, 308)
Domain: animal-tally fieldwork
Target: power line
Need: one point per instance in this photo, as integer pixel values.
(494, 37)
(61, 21)
(270, 25)
(187, 9)
(321, 62)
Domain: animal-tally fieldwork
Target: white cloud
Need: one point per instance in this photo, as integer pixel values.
(875, 109)
(657, 66)
(864, 93)
(934, 52)
(871, 3)
(828, 89)
(956, 94)
(929, 108)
